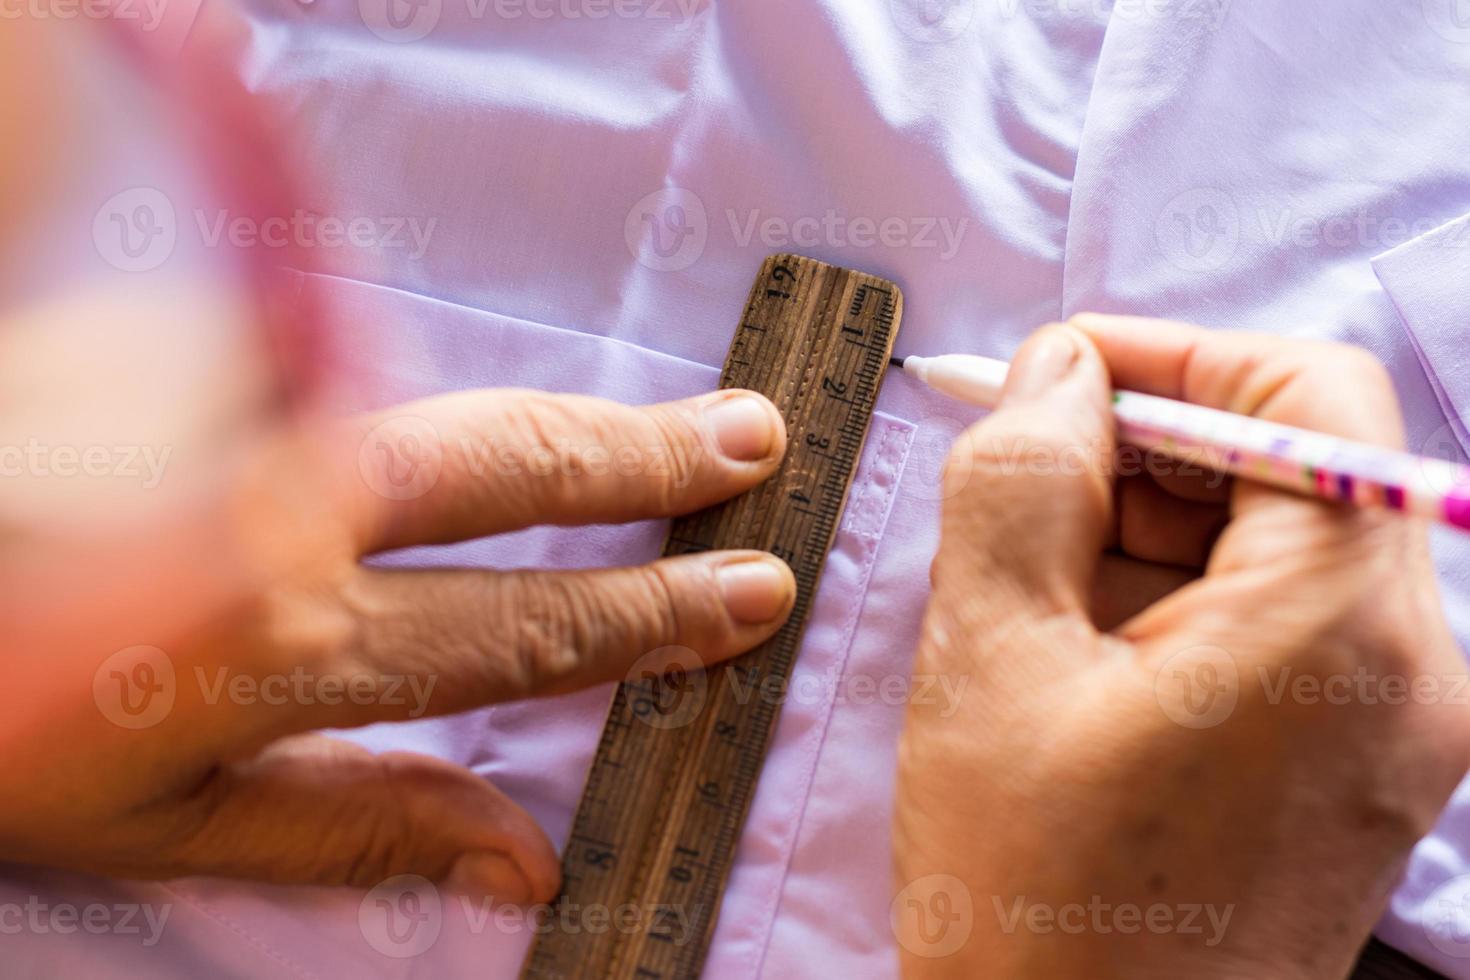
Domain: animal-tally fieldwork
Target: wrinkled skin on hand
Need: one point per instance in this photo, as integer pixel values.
(1141, 727)
(181, 549)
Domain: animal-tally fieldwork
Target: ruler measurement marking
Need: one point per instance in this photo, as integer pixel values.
(669, 804)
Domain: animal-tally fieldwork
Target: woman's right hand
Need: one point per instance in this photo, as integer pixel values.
(1190, 701)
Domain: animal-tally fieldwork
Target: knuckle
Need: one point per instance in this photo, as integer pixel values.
(1017, 474)
(1373, 413)
(1015, 447)
(385, 839)
(679, 439)
(1362, 367)
(549, 629)
(374, 842)
(1339, 362)
(543, 425)
(564, 625)
(667, 616)
(290, 627)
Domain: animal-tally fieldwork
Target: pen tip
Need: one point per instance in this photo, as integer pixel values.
(896, 361)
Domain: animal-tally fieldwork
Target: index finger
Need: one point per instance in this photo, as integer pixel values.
(476, 463)
(1326, 387)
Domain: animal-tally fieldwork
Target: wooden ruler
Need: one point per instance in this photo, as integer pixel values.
(676, 768)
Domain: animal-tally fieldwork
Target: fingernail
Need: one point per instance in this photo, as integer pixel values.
(1040, 363)
(743, 426)
(757, 590)
(481, 874)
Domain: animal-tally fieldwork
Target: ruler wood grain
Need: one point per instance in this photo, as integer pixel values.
(676, 768)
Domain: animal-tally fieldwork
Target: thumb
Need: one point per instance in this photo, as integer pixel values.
(1028, 491)
(317, 810)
